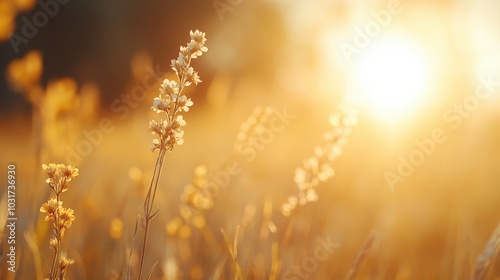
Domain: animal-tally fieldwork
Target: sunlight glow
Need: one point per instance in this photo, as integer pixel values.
(392, 78)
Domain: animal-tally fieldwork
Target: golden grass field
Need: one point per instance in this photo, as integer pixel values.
(326, 140)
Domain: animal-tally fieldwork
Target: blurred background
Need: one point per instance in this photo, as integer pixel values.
(78, 79)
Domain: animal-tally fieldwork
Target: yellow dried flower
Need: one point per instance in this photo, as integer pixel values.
(50, 169)
(63, 264)
(66, 217)
(59, 175)
(65, 261)
(69, 171)
(53, 243)
(50, 207)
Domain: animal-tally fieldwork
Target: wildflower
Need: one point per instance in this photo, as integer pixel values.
(66, 217)
(197, 42)
(180, 121)
(70, 172)
(184, 103)
(155, 145)
(172, 103)
(50, 169)
(63, 265)
(50, 207)
(169, 88)
(53, 243)
(252, 129)
(192, 77)
(319, 167)
(59, 175)
(178, 137)
(65, 261)
(160, 105)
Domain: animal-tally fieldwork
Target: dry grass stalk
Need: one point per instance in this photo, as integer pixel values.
(486, 258)
(32, 244)
(361, 258)
(276, 261)
(233, 252)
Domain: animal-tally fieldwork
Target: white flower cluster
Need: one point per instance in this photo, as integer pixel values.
(253, 129)
(171, 101)
(318, 168)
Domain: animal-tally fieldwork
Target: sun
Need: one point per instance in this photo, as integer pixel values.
(391, 78)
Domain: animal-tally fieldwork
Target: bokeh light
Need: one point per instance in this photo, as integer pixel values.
(393, 77)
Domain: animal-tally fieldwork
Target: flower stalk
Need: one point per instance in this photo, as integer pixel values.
(170, 103)
(59, 176)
